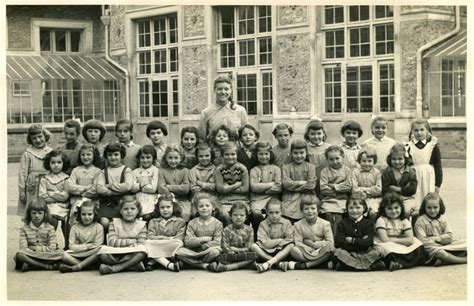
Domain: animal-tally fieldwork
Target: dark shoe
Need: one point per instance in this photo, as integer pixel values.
(378, 266)
(212, 267)
(395, 266)
(63, 268)
(105, 269)
(25, 267)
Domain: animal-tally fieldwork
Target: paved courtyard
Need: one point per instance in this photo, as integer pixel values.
(421, 283)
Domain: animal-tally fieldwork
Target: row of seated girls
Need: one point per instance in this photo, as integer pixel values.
(204, 243)
(248, 172)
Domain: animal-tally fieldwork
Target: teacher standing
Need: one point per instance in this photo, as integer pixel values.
(224, 111)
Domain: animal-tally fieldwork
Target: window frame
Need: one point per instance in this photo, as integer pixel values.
(454, 98)
(373, 60)
(19, 93)
(259, 68)
(237, 37)
(68, 41)
(170, 76)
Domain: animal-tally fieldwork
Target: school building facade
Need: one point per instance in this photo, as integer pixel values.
(288, 63)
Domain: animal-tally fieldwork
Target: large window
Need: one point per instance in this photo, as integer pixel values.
(245, 51)
(54, 101)
(447, 82)
(60, 40)
(157, 62)
(358, 59)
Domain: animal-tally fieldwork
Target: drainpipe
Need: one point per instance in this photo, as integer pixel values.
(419, 60)
(105, 18)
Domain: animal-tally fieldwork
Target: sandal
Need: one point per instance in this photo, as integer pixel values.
(263, 267)
(438, 262)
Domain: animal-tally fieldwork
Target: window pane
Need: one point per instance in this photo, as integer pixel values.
(174, 59)
(144, 62)
(358, 13)
(353, 13)
(247, 92)
(173, 33)
(45, 40)
(175, 98)
(329, 15)
(364, 12)
(227, 54)
(332, 89)
(247, 52)
(144, 33)
(160, 61)
(265, 50)
(160, 31)
(227, 22)
(383, 11)
(75, 41)
(60, 38)
(264, 19)
(384, 39)
(159, 99)
(144, 96)
(246, 20)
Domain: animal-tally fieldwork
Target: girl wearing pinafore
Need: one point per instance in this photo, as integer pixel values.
(426, 156)
(81, 183)
(112, 183)
(146, 183)
(31, 166)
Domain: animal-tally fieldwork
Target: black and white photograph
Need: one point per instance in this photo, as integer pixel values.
(235, 151)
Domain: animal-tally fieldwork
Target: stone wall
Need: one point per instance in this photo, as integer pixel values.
(117, 27)
(413, 35)
(19, 22)
(193, 16)
(293, 73)
(194, 79)
(292, 14)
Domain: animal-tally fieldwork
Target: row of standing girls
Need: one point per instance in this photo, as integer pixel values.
(132, 245)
